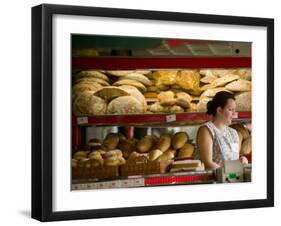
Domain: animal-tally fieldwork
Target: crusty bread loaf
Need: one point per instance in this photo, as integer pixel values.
(89, 104)
(145, 144)
(111, 141)
(179, 139)
(154, 154)
(186, 151)
(137, 77)
(224, 80)
(125, 105)
(131, 82)
(164, 142)
(166, 98)
(243, 101)
(91, 73)
(241, 85)
(110, 92)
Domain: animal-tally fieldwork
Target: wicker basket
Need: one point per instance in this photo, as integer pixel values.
(154, 167)
(92, 173)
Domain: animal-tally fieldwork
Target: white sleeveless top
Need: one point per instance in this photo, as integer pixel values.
(225, 144)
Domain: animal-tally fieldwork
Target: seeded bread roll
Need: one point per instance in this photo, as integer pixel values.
(179, 139)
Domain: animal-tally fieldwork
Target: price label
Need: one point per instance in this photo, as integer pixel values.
(235, 115)
(82, 120)
(171, 118)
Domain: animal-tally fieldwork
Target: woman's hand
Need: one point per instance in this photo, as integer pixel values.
(243, 160)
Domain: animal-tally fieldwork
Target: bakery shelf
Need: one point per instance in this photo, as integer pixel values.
(105, 63)
(150, 119)
(181, 178)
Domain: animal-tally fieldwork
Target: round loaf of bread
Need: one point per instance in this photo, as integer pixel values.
(125, 105)
(164, 142)
(111, 141)
(179, 139)
(91, 74)
(87, 103)
(108, 93)
(144, 144)
(154, 154)
(186, 151)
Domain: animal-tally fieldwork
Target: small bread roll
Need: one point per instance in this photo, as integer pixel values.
(95, 155)
(80, 155)
(122, 161)
(186, 151)
(111, 141)
(166, 98)
(111, 162)
(166, 156)
(110, 154)
(145, 144)
(164, 142)
(154, 154)
(96, 162)
(179, 139)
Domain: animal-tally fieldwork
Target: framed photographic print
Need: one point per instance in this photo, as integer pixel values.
(145, 112)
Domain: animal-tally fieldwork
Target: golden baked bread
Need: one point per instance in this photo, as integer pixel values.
(166, 98)
(241, 85)
(111, 141)
(150, 94)
(157, 107)
(164, 142)
(183, 99)
(91, 73)
(241, 129)
(125, 105)
(208, 78)
(130, 82)
(126, 146)
(133, 91)
(166, 156)
(145, 144)
(174, 109)
(223, 72)
(92, 79)
(243, 101)
(186, 151)
(165, 77)
(179, 139)
(111, 162)
(137, 77)
(120, 72)
(246, 147)
(188, 80)
(110, 92)
(212, 92)
(244, 74)
(81, 87)
(87, 103)
(202, 104)
(152, 89)
(154, 154)
(224, 80)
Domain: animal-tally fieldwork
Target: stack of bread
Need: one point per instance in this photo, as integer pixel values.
(236, 81)
(98, 92)
(245, 139)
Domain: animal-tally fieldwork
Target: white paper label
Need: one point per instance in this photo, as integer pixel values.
(82, 120)
(235, 115)
(171, 118)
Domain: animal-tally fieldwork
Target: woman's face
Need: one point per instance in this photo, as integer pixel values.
(227, 112)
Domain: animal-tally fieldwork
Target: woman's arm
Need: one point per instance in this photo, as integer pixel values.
(205, 146)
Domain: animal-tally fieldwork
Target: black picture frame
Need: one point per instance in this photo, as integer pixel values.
(42, 111)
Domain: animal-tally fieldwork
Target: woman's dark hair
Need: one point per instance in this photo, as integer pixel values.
(219, 100)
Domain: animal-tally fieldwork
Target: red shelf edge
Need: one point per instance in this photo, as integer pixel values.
(125, 63)
(149, 118)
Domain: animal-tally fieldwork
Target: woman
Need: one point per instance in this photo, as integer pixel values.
(216, 141)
